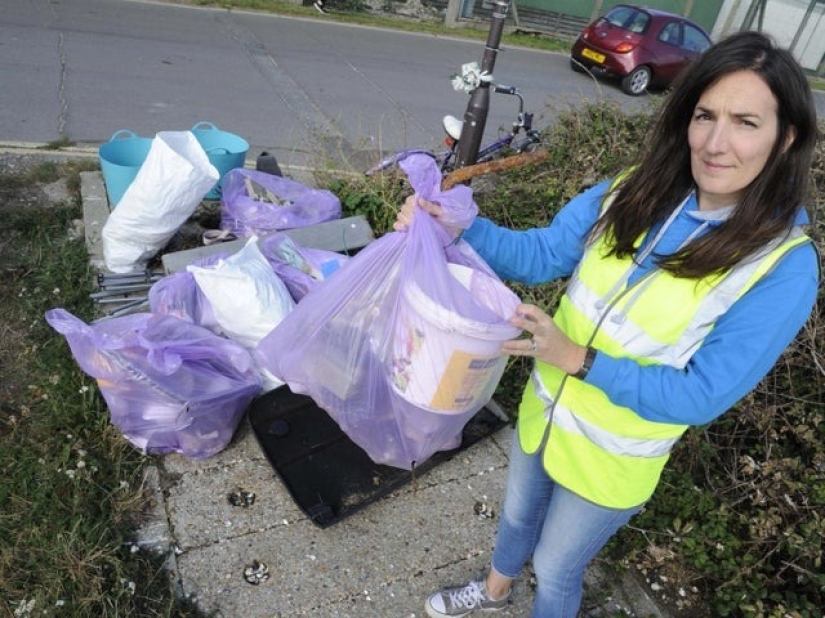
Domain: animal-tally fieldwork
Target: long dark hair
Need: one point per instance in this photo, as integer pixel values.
(663, 177)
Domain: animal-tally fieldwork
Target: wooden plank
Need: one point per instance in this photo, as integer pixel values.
(340, 235)
(463, 174)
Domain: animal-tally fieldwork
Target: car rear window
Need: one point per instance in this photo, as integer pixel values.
(628, 18)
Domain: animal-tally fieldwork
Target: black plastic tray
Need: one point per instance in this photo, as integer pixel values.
(327, 474)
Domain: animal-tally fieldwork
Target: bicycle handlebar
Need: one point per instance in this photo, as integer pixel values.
(506, 89)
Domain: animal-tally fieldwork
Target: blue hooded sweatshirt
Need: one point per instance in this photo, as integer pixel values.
(741, 349)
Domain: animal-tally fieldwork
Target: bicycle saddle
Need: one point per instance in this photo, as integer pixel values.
(452, 126)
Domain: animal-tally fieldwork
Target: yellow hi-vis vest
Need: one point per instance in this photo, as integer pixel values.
(603, 452)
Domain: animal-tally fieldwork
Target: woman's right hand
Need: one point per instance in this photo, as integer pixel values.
(405, 215)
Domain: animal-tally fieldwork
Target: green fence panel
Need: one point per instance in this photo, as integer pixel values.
(577, 8)
(703, 12)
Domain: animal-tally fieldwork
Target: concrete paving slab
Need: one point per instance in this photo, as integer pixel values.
(95, 214)
(200, 511)
(340, 235)
(390, 551)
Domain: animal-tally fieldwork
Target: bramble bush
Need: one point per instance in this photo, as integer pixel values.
(740, 511)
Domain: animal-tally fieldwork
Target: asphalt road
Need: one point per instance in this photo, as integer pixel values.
(307, 89)
(295, 86)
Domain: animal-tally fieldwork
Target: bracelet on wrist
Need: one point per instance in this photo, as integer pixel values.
(587, 363)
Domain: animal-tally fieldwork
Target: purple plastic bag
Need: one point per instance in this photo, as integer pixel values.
(256, 203)
(402, 346)
(300, 268)
(179, 296)
(171, 386)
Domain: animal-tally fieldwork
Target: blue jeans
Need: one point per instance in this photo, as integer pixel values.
(561, 531)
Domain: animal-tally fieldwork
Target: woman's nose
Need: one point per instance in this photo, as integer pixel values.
(718, 138)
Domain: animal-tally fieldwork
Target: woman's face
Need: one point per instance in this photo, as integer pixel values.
(731, 135)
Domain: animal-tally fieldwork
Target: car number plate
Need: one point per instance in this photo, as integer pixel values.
(595, 56)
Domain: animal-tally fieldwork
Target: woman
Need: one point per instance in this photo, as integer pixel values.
(689, 275)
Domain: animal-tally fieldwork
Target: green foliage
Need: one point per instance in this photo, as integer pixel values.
(71, 487)
(378, 198)
(740, 511)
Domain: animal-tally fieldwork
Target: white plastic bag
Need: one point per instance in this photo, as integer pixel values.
(168, 187)
(247, 298)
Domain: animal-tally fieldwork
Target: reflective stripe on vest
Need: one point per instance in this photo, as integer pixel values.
(675, 353)
(618, 445)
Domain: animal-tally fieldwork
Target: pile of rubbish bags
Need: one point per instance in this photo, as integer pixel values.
(399, 344)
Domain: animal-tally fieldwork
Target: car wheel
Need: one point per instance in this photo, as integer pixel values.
(577, 66)
(637, 81)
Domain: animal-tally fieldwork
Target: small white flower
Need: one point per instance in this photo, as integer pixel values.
(81, 464)
(25, 608)
(84, 389)
(56, 291)
(131, 586)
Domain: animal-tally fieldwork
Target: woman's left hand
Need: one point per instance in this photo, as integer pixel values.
(547, 343)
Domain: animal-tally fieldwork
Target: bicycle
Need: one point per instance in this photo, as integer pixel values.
(521, 138)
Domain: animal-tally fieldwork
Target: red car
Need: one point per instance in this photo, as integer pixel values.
(644, 47)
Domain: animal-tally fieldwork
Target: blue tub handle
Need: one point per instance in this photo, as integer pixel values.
(121, 133)
(204, 124)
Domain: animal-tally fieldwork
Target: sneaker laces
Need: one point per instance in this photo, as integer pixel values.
(472, 595)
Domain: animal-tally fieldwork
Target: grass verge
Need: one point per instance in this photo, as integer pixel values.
(71, 487)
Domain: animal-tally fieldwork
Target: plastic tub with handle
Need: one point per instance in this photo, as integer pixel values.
(120, 160)
(226, 151)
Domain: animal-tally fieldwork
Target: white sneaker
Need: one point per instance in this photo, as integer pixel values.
(320, 7)
(461, 600)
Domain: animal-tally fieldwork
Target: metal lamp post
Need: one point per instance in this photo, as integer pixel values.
(475, 116)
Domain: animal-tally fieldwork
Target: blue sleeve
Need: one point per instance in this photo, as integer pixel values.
(740, 350)
(539, 255)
